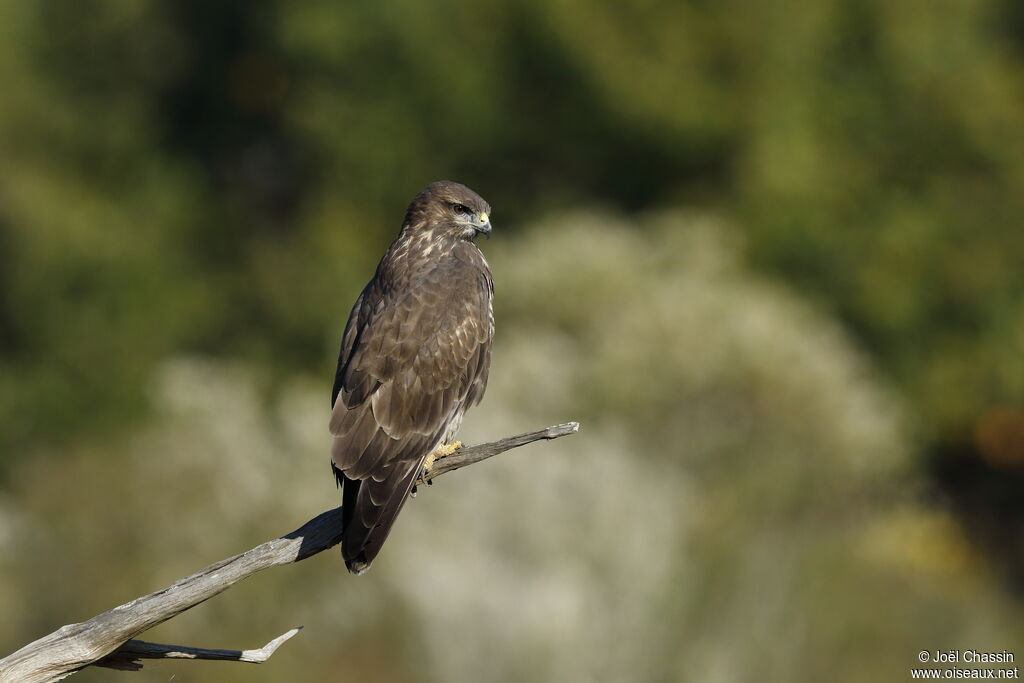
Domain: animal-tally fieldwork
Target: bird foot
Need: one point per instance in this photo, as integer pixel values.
(428, 463)
(442, 451)
(446, 450)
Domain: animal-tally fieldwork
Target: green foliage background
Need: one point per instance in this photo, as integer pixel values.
(795, 290)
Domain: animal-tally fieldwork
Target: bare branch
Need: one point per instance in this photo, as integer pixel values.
(76, 646)
(126, 657)
(474, 454)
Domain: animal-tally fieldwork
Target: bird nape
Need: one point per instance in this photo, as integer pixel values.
(414, 357)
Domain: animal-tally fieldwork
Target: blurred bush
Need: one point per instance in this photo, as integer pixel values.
(738, 504)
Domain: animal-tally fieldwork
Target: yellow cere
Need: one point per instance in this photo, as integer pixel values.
(484, 218)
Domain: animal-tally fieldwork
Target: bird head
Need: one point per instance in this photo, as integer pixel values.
(451, 209)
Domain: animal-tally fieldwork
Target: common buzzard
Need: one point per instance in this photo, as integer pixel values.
(414, 357)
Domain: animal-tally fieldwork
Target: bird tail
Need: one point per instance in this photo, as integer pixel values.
(369, 509)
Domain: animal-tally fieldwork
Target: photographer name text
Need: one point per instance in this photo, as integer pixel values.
(966, 656)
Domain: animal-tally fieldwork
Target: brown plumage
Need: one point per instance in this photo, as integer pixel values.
(414, 356)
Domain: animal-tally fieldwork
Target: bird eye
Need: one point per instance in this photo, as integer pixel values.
(460, 209)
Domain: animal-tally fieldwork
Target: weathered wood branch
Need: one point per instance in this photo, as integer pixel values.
(126, 657)
(100, 640)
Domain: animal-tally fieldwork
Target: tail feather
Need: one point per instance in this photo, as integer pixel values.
(365, 526)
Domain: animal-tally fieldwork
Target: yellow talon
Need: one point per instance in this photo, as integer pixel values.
(440, 452)
(448, 449)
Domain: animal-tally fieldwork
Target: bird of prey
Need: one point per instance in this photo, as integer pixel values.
(414, 357)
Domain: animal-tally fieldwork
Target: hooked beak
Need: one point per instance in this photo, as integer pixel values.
(483, 226)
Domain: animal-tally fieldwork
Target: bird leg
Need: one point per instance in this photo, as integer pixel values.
(442, 451)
